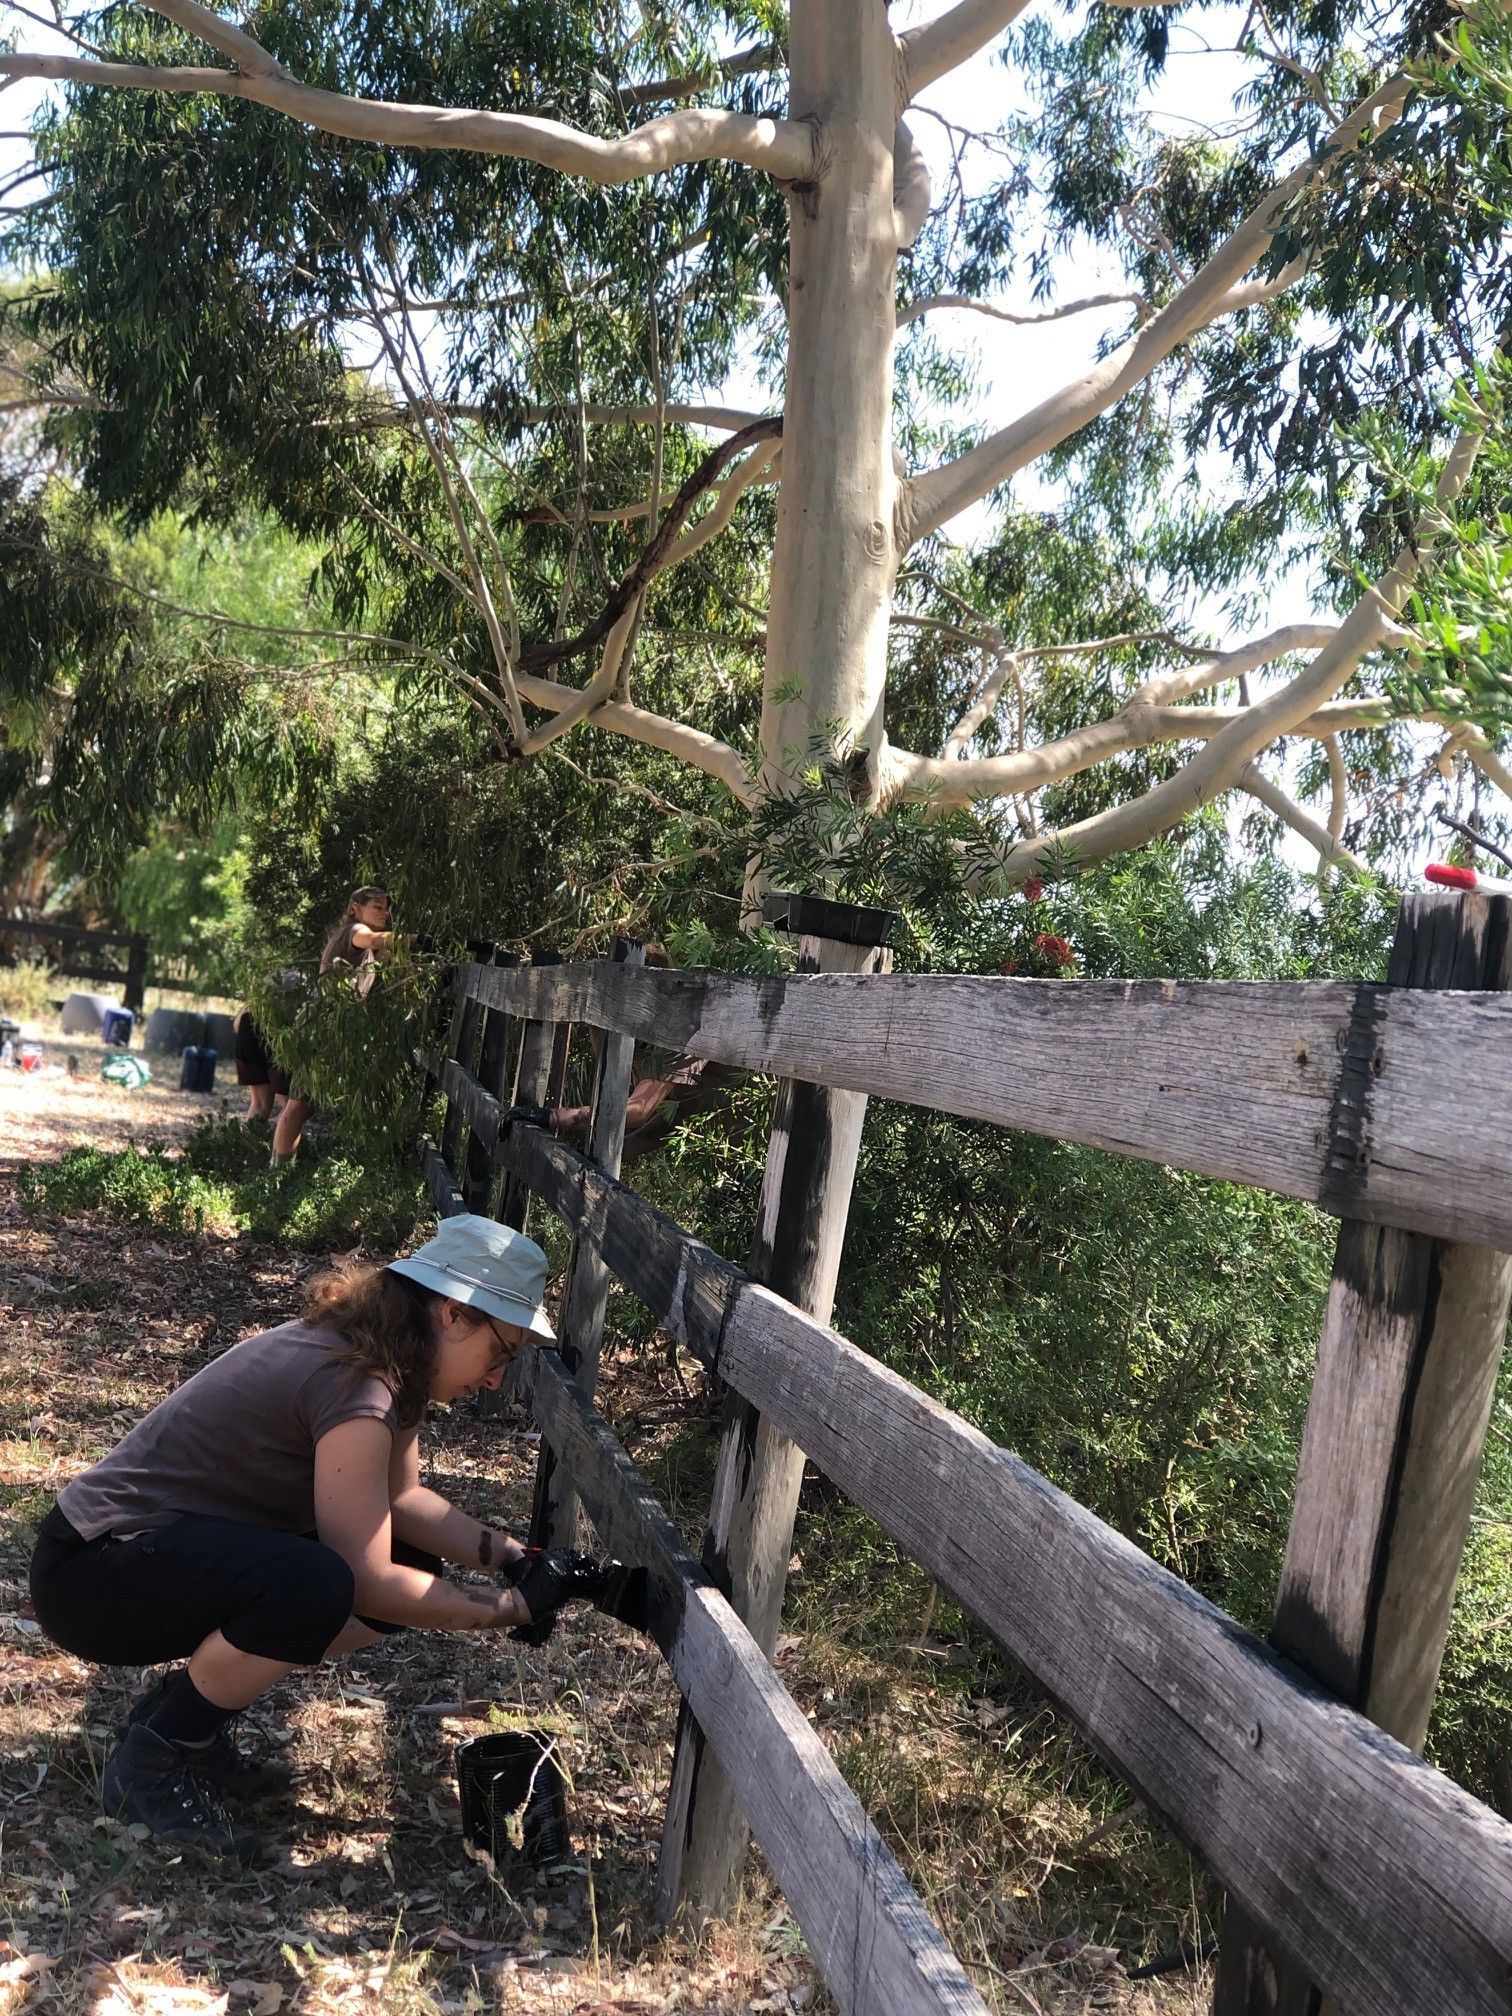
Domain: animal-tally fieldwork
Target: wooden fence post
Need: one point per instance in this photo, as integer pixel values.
(466, 1024)
(136, 973)
(479, 1182)
(805, 1199)
(531, 1088)
(557, 1519)
(1407, 1363)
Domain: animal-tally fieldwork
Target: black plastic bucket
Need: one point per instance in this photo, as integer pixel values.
(496, 1776)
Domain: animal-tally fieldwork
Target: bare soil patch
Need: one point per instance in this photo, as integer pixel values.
(65, 1103)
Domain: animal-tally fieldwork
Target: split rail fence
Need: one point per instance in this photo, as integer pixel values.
(74, 950)
(1357, 1877)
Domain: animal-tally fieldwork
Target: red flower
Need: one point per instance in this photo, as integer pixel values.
(1034, 888)
(1055, 949)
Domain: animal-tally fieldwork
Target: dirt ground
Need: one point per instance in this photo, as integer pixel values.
(63, 1105)
(365, 1898)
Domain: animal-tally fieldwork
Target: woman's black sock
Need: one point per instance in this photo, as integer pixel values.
(183, 1715)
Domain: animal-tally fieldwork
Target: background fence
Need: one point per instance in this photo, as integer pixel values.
(74, 951)
(1352, 1869)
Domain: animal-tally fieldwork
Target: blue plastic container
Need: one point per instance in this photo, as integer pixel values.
(115, 1030)
(197, 1071)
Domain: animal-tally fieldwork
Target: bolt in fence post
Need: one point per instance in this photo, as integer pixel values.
(805, 1199)
(557, 1519)
(1407, 1363)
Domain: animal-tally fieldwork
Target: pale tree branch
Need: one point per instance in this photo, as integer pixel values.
(1253, 780)
(912, 194)
(655, 731)
(744, 63)
(783, 147)
(951, 39)
(934, 304)
(1146, 717)
(1217, 766)
(450, 474)
(589, 700)
(930, 500)
(1338, 785)
(592, 696)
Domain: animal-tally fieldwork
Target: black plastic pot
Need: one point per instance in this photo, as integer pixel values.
(496, 1776)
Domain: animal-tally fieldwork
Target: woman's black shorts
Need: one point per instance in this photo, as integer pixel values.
(153, 1598)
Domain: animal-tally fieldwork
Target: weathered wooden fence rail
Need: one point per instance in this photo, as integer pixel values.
(1351, 1866)
(74, 942)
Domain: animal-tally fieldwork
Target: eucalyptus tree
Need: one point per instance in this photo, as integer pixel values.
(549, 230)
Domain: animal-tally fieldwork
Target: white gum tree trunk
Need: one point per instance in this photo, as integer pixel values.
(836, 552)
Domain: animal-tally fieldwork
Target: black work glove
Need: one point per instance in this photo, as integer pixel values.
(423, 941)
(528, 1116)
(548, 1577)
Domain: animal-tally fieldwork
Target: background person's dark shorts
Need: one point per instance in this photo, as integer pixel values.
(155, 1597)
(254, 1066)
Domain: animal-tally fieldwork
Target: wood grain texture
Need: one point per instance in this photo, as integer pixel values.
(1393, 1885)
(1352, 1096)
(685, 1285)
(556, 1519)
(800, 1234)
(1382, 1878)
(440, 1186)
(532, 1086)
(879, 1951)
(1396, 1424)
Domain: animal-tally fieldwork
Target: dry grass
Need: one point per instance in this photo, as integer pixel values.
(366, 1900)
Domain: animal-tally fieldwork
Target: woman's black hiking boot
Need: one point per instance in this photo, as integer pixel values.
(154, 1782)
(225, 1767)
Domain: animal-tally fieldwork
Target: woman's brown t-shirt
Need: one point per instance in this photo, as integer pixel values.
(237, 1441)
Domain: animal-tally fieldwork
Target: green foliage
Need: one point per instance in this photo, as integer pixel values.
(328, 1202)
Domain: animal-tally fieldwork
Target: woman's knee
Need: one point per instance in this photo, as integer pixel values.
(299, 1609)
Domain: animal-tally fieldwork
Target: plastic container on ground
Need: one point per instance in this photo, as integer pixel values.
(496, 1776)
(84, 1014)
(174, 1029)
(117, 1028)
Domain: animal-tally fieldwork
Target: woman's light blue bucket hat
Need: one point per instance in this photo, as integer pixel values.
(486, 1265)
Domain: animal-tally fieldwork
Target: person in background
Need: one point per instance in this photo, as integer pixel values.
(359, 941)
(270, 1515)
(256, 1071)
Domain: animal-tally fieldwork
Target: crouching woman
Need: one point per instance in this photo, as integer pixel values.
(269, 1515)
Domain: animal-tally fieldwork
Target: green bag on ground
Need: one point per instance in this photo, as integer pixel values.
(121, 1069)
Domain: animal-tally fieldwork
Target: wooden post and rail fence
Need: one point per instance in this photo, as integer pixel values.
(74, 949)
(1357, 1877)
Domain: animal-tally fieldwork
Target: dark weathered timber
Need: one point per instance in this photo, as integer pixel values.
(1391, 1885)
(467, 1028)
(480, 1180)
(800, 1233)
(556, 1519)
(532, 1086)
(136, 973)
(439, 1186)
(878, 1949)
(685, 1285)
(1352, 1096)
(66, 934)
(1396, 1426)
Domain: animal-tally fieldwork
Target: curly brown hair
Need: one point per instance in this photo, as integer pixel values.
(388, 1323)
